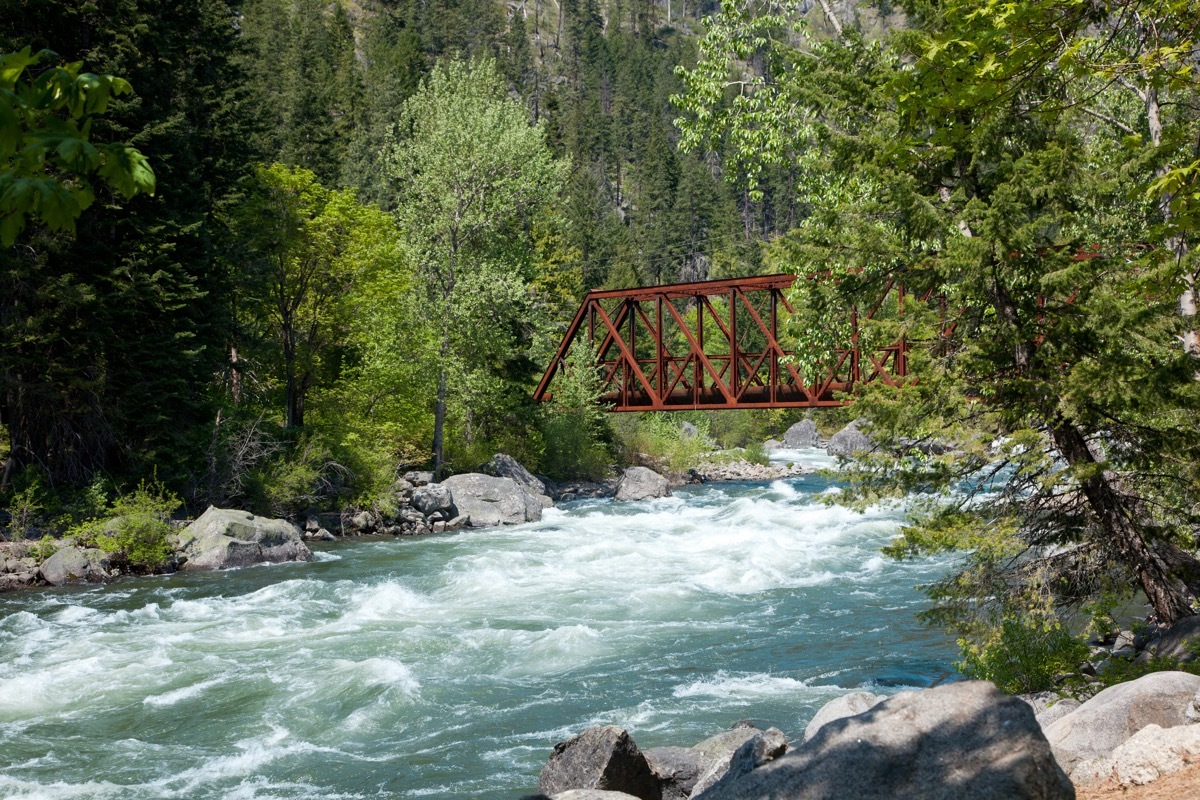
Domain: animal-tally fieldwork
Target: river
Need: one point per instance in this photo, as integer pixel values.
(449, 665)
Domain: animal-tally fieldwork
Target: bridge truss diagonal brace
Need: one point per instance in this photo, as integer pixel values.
(741, 364)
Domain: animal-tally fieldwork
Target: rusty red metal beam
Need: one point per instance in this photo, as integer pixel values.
(740, 365)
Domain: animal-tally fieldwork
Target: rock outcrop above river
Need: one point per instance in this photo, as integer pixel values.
(602, 757)
(1105, 722)
(848, 705)
(850, 440)
(223, 537)
(505, 466)
(490, 501)
(961, 741)
(642, 483)
(76, 565)
(802, 434)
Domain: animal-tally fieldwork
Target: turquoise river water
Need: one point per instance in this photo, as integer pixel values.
(448, 666)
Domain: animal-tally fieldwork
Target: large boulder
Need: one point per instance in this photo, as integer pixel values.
(802, 434)
(491, 501)
(76, 565)
(850, 440)
(1181, 641)
(848, 705)
(505, 466)
(432, 498)
(1106, 721)
(641, 483)
(602, 757)
(224, 537)
(1145, 757)
(961, 741)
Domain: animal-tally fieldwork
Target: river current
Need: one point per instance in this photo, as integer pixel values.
(449, 665)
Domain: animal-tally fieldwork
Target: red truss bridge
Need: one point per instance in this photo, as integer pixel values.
(713, 344)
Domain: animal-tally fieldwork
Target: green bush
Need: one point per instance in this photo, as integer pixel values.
(659, 438)
(137, 531)
(1024, 654)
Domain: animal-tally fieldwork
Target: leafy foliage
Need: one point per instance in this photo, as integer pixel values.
(45, 152)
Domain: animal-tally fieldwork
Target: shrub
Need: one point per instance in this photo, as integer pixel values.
(1024, 654)
(137, 531)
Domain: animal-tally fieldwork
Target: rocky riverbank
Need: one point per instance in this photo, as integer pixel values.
(965, 741)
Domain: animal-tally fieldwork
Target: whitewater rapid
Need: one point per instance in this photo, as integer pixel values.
(448, 666)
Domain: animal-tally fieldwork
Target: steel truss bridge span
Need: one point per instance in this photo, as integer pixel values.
(713, 345)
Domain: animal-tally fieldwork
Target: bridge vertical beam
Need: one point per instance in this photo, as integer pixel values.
(663, 384)
(733, 342)
(774, 383)
(700, 339)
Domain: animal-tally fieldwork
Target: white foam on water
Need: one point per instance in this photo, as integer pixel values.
(181, 694)
(378, 671)
(754, 686)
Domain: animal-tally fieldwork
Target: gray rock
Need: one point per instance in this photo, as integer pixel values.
(1107, 720)
(602, 757)
(1145, 757)
(688, 430)
(459, 522)
(418, 478)
(505, 466)
(772, 444)
(961, 741)
(402, 489)
(75, 565)
(433, 498)
(363, 521)
(1054, 713)
(758, 749)
(490, 501)
(641, 483)
(802, 434)
(223, 538)
(723, 745)
(591, 794)
(676, 768)
(1181, 641)
(850, 440)
(848, 705)
(16, 580)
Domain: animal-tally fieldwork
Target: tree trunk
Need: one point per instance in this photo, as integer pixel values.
(439, 411)
(1115, 514)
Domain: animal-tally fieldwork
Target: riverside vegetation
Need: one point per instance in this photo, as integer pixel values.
(271, 254)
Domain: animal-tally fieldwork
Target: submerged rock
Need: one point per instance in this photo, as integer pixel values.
(962, 741)
(223, 538)
(602, 757)
(489, 501)
(641, 483)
